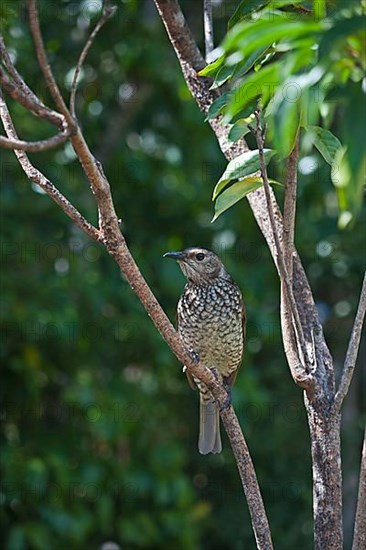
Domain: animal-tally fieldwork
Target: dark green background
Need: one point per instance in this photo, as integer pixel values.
(99, 426)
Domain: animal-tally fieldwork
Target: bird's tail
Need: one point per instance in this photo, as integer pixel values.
(209, 440)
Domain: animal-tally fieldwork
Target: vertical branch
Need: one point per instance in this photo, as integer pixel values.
(352, 351)
(208, 27)
(42, 60)
(359, 535)
(299, 369)
(289, 208)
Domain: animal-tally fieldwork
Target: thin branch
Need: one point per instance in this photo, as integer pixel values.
(108, 11)
(289, 299)
(35, 175)
(34, 146)
(359, 534)
(43, 62)
(352, 351)
(208, 27)
(289, 208)
(30, 101)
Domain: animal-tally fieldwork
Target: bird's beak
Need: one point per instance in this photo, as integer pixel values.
(175, 255)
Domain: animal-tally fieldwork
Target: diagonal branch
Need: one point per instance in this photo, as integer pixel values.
(352, 351)
(25, 96)
(34, 146)
(43, 62)
(35, 175)
(108, 11)
(359, 534)
(289, 208)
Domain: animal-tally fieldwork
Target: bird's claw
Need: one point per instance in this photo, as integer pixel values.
(195, 356)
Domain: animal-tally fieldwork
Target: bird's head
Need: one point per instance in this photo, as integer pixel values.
(199, 265)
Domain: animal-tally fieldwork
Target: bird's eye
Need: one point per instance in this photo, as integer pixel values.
(200, 256)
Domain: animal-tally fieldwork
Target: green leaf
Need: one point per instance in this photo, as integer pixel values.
(326, 143)
(212, 68)
(235, 193)
(340, 31)
(225, 73)
(245, 10)
(252, 59)
(240, 129)
(218, 105)
(241, 166)
(249, 36)
(261, 84)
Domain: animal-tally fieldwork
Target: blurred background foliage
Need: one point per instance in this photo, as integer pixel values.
(99, 427)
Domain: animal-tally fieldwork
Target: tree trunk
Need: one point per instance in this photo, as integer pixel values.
(327, 476)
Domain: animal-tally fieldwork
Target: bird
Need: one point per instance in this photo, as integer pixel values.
(211, 323)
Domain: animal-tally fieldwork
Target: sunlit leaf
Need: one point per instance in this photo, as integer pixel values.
(235, 193)
(241, 166)
(212, 68)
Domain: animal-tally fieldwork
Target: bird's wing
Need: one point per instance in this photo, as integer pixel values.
(191, 382)
(231, 379)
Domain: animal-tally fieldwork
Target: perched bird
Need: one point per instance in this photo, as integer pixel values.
(211, 323)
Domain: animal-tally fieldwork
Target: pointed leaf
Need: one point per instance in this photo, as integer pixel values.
(212, 68)
(241, 166)
(239, 129)
(218, 105)
(326, 143)
(235, 193)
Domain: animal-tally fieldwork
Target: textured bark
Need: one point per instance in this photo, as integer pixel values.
(359, 536)
(327, 476)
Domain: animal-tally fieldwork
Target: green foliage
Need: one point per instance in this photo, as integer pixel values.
(304, 60)
(99, 425)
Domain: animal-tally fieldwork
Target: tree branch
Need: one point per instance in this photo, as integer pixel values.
(108, 11)
(208, 27)
(34, 146)
(43, 62)
(352, 351)
(359, 534)
(290, 307)
(25, 96)
(35, 175)
(289, 208)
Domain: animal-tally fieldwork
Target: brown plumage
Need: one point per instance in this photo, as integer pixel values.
(211, 322)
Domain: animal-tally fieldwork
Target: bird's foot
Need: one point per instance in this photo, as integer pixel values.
(195, 356)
